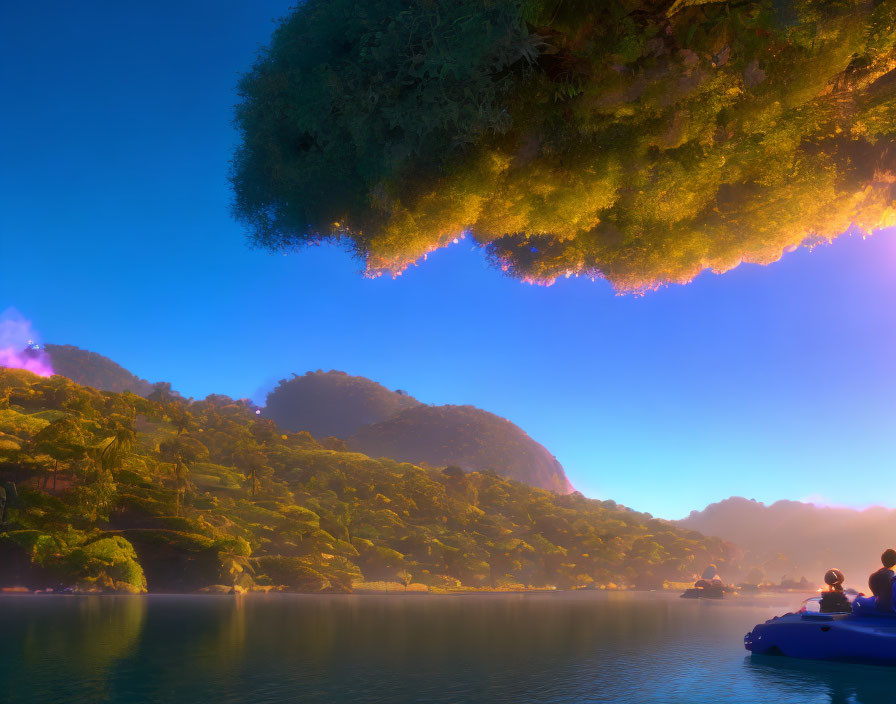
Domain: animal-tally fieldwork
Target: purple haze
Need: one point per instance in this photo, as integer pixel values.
(18, 346)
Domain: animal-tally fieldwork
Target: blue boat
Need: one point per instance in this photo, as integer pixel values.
(863, 635)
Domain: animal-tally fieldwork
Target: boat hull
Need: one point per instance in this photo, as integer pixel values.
(714, 592)
(842, 637)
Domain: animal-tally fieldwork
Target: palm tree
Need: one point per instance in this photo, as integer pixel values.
(249, 458)
(179, 451)
(181, 418)
(117, 447)
(181, 484)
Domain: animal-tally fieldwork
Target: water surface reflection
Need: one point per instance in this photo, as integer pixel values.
(520, 648)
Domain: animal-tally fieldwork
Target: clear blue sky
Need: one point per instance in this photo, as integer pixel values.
(115, 235)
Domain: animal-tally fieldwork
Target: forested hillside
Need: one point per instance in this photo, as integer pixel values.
(465, 436)
(384, 423)
(332, 403)
(92, 369)
(374, 419)
(111, 491)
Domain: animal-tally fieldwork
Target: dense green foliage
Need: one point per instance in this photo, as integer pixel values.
(332, 403)
(92, 369)
(191, 495)
(464, 436)
(642, 141)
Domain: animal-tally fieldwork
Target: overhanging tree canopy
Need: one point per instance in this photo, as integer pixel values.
(636, 140)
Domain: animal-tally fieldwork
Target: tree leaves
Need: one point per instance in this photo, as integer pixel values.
(568, 141)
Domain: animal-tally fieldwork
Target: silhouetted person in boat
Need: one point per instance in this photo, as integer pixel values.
(709, 584)
(881, 582)
(834, 600)
(709, 578)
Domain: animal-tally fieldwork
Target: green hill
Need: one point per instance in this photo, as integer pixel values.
(92, 369)
(384, 423)
(109, 491)
(332, 403)
(464, 436)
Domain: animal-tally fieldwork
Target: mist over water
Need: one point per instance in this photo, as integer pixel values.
(521, 648)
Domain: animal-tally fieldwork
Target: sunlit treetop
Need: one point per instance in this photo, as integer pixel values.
(633, 140)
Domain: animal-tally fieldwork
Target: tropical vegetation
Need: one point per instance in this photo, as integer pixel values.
(113, 491)
(642, 141)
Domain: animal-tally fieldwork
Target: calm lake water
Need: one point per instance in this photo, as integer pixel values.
(520, 648)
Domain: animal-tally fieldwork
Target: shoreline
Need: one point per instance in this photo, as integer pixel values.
(22, 593)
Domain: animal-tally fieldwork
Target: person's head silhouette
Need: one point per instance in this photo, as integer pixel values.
(888, 559)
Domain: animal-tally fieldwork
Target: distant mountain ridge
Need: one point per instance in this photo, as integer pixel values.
(800, 539)
(92, 369)
(332, 403)
(384, 423)
(464, 436)
(369, 417)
